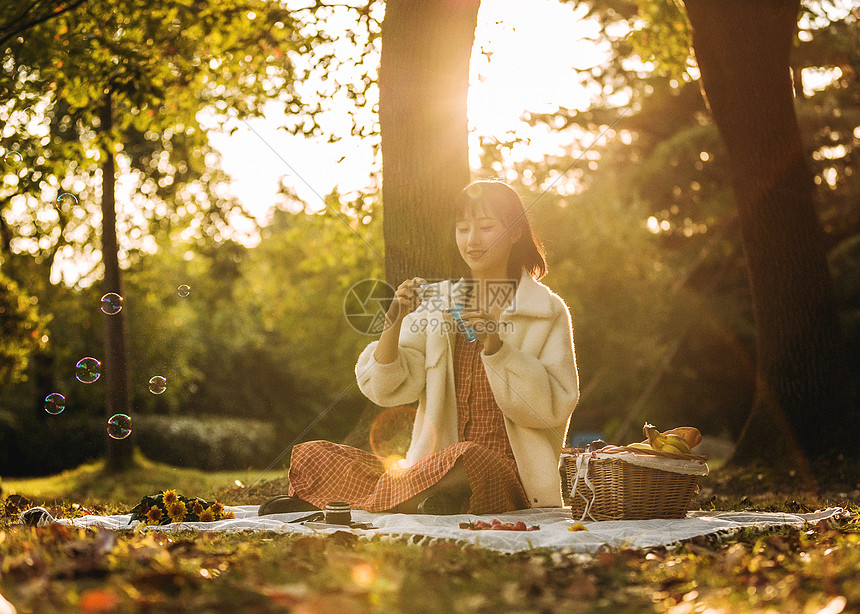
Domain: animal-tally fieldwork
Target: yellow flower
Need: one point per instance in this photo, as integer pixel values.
(217, 508)
(170, 496)
(176, 511)
(207, 515)
(196, 508)
(228, 514)
(153, 515)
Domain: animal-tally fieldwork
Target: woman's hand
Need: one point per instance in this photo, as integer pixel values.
(407, 297)
(486, 325)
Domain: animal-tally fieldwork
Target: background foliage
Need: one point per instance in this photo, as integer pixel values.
(639, 227)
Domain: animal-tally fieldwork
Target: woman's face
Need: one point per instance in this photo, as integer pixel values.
(484, 243)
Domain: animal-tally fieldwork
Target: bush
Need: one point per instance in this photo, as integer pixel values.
(31, 446)
(45, 446)
(211, 443)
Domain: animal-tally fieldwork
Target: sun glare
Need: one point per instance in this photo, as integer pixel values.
(523, 62)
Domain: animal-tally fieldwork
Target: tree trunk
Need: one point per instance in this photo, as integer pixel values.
(114, 367)
(423, 83)
(742, 48)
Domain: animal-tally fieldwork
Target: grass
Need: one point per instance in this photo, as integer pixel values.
(58, 569)
(94, 485)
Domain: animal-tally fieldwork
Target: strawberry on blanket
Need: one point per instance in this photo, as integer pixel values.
(497, 525)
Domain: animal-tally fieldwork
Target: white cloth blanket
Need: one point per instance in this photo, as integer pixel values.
(553, 522)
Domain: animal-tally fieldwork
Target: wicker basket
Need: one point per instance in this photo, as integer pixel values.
(623, 491)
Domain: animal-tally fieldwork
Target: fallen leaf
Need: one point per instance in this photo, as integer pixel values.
(288, 595)
(581, 587)
(309, 547)
(97, 600)
(343, 538)
(15, 504)
(324, 604)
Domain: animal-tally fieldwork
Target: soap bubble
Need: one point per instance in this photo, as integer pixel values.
(183, 290)
(13, 159)
(119, 426)
(111, 303)
(88, 370)
(473, 192)
(67, 199)
(157, 384)
(55, 403)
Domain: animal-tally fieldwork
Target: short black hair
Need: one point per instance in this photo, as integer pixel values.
(499, 199)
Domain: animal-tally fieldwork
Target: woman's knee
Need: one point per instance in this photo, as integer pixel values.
(304, 452)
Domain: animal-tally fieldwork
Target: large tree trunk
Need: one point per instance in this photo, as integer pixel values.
(117, 400)
(423, 83)
(742, 48)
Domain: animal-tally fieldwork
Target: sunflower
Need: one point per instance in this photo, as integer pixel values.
(229, 514)
(154, 514)
(207, 515)
(196, 507)
(217, 508)
(170, 497)
(176, 511)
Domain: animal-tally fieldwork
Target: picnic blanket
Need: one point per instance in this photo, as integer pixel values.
(554, 526)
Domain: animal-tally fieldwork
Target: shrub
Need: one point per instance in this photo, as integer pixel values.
(44, 446)
(211, 443)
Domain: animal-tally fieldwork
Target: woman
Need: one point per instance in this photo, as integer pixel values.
(492, 415)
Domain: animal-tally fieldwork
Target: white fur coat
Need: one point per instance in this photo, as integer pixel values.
(533, 377)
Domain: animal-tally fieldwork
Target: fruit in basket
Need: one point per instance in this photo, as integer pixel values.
(654, 437)
(669, 441)
(595, 445)
(667, 447)
(690, 434)
(676, 441)
(639, 445)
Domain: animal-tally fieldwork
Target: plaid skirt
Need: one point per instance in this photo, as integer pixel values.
(322, 471)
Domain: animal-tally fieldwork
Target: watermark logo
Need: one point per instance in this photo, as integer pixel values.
(447, 325)
(487, 295)
(365, 305)
(367, 302)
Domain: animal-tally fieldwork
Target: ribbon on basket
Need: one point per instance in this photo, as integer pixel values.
(582, 470)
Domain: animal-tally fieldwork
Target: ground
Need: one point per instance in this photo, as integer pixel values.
(58, 569)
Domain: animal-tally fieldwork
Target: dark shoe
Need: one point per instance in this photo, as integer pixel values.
(441, 504)
(285, 504)
(36, 517)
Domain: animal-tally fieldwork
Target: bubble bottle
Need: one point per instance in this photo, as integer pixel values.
(467, 331)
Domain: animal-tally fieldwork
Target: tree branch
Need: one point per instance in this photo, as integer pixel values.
(18, 29)
(362, 10)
